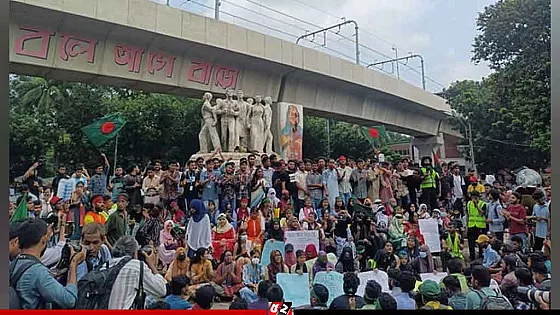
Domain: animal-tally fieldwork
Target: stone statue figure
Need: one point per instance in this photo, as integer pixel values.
(267, 124)
(241, 122)
(255, 119)
(209, 121)
(228, 111)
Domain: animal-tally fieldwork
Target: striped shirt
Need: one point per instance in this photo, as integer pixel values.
(126, 285)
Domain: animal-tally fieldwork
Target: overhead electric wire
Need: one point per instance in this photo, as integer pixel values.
(303, 29)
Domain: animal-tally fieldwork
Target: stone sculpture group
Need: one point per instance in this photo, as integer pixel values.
(244, 124)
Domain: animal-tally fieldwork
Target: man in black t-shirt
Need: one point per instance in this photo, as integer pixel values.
(280, 178)
(32, 180)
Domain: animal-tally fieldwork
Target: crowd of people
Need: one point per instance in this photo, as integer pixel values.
(183, 238)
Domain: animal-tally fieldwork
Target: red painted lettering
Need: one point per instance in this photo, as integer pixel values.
(226, 77)
(44, 36)
(73, 46)
(159, 60)
(127, 55)
(200, 72)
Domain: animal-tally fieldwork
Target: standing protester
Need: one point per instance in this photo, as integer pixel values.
(431, 186)
(344, 173)
(541, 214)
(315, 186)
(476, 221)
(495, 218)
(516, 214)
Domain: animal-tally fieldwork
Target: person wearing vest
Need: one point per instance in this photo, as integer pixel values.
(452, 245)
(476, 222)
(430, 184)
(98, 214)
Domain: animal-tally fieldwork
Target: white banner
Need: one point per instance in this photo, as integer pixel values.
(430, 231)
(379, 276)
(300, 239)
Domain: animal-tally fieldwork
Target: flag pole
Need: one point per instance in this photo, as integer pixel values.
(116, 148)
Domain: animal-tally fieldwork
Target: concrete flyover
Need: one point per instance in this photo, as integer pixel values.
(152, 47)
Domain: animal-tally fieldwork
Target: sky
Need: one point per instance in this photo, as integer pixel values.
(441, 31)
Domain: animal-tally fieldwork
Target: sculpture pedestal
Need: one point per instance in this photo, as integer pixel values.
(234, 156)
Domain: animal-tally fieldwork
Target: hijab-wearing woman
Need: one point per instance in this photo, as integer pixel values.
(228, 275)
(346, 262)
(276, 233)
(424, 263)
(179, 266)
(411, 228)
(167, 243)
(396, 230)
(290, 258)
(310, 252)
(273, 198)
(385, 258)
(201, 270)
(223, 236)
(412, 247)
(300, 267)
(199, 229)
(322, 264)
(276, 265)
(404, 260)
(423, 211)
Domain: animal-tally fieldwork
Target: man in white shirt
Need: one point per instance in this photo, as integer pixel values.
(126, 285)
(301, 183)
(344, 174)
(458, 184)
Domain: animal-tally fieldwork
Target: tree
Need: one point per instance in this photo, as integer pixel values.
(509, 110)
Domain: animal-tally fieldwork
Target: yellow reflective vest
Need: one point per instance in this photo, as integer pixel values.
(475, 219)
(430, 179)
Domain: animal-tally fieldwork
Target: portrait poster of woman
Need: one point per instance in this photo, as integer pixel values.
(291, 134)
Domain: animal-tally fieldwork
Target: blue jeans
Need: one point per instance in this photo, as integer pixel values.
(345, 197)
(248, 295)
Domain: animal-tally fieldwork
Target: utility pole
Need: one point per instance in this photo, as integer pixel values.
(217, 10)
(356, 36)
(396, 60)
(328, 137)
(471, 147)
(404, 58)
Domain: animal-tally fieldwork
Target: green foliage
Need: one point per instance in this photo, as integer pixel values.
(46, 118)
(346, 139)
(509, 110)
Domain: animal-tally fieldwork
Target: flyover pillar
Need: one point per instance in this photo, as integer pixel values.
(287, 127)
(427, 146)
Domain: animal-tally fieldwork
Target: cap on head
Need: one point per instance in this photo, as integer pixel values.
(482, 239)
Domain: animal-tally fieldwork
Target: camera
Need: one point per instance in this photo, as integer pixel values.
(52, 219)
(527, 294)
(146, 249)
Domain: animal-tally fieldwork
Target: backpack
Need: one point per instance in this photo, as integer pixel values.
(15, 303)
(94, 289)
(494, 302)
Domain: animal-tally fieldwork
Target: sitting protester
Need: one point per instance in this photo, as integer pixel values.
(177, 300)
(349, 301)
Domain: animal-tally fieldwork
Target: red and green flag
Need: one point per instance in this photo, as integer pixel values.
(104, 129)
(374, 134)
(21, 211)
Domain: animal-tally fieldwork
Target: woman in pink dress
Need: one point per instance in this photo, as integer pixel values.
(167, 243)
(223, 236)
